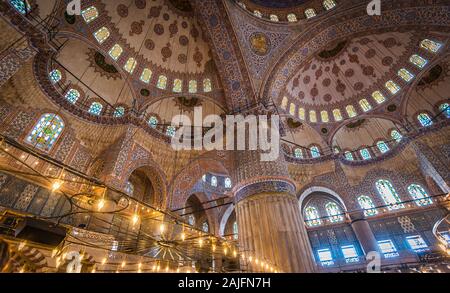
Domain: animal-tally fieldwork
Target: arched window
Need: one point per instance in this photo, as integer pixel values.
(367, 205)
(419, 195)
(46, 132)
(177, 85)
(192, 86)
(153, 121)
(292, 109)
(291, 17)
(207, 85)
(115, 51)
(72, 95)
(129, 188)
(101, 35)
(324, 116)
(146, 75)
(336, 150)
(312, 116)
(350, 111)
(214, 181)
(89, 14)
(445, 109)
(348, 156)
(430, 45)
(284, 103)
(301, 113)
(119, 112)
(365, 106)
(365, 154)
(227, 182)
(334, 212)
(235, 230)
(424, 119)
(191, 220)
(389, 195)
(204, 178)
(312, 217)
(162, 82)
(337, 115)
(298, 153)
(310, 13)
(315, 152)
(382, 146)
(257, 13)
(170, 131)
(274, 18)
(23, 6)
(55, 75)
(396, 135)
(392, 87)
(205, 227)
(378, 97)
(95, 108)
(329, 4)
(130, 65)
(418, 61)
(405, 74)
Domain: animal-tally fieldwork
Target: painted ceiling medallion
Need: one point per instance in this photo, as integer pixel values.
(260, 43)
(100, 65)
(187, 104)
(356, 124)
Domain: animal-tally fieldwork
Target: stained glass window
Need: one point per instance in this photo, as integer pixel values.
(365, 106)
(115, 51)
(329, 4)
(365, 154)
(153, 121)
(72, 95)
(350, 254)
(392, 87)
(129, 188)
(367, 205)
(348, 156)
(405, 75)
(55, 75)
(214, 181)
(204, 178)
(312, 217)
(96, 108)
(23, 6)
(292, 109)
(378, 97)
(191, 220)
(325, 257)
(350, 111)
(46, 132)
(336, 150)
(396, 135)
(445, 109)
(419, 195)
(315, 152)
(162, 82)
(298, 153)
(207, 85)
(177, 85)
(284, 103)
(192, 86)
(257, 13)
(388, 249)
(170, 131)
(146, 75)
(274, 18)
(291, 17)
(130, 65)
(334, 212)
(205, 227)
(424, 119)
(227, 182)
(389, 195)
(119, 112)
(89, 14)
(417, 243)
(301, 113)
(337, 115)
(430, 45)
(235, 230)
(312, 116)
(324, 116)
(418, 61)
(382, 146)
(310, 12)
(101, 35)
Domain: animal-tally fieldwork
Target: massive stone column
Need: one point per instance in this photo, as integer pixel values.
(363, 232)
(271, 228)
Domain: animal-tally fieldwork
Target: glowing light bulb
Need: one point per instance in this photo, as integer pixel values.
(256, 261)
(135, 219)
(167, 269)
(56, 185)
(139, 265)
(101, 204)
(200, 242)
(225, 250)
(123, 264)
(213, 247)
(250, 258)
(154, 267)
(183, 236)
(103, 261)
(93, 270)
(162, 228)
(234, 253)
(178, 270)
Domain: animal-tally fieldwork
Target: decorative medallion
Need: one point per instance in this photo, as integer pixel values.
(187, 104)
(260, 44)
(101, 66)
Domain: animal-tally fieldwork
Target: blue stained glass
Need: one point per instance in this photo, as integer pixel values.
(348, 156)
(396, 135)
(315, 153)
(170, 131)
(72, 95)
(298, 153)
(334, 212)
(55, 75)
(424, 119)
(227, 182)
(46, 131)
(153, 122)
(419, 195)
(23, 6)
(235, 230)
(96, 108)
(119, 112)
(382, 146)
(389, 195)
(205, 227)
(365, 154)
(446, 109)
(367, 205)
(312, 216)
